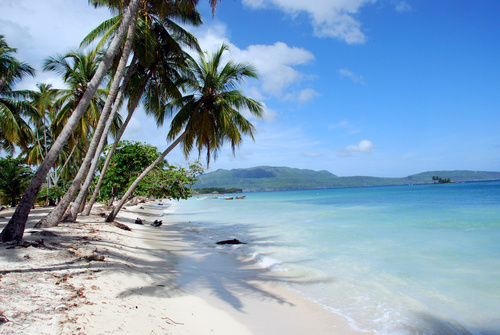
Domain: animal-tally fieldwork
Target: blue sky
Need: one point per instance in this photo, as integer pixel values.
(380, 88)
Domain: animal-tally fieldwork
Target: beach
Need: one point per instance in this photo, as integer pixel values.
(91, 277)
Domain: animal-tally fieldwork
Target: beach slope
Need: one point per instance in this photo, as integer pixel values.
(91, 277)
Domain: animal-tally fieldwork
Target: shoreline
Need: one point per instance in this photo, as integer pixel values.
(94, 278)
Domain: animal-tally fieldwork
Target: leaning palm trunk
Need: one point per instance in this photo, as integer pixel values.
(14, 230)
(112, 150)
(56, 215)
(143, 175)
(77, 206)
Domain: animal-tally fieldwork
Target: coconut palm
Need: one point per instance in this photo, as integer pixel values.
(13, 128)
(157, 72)
(14, 230)
(77, 70)
(104, 124)
(209, 115)
(43, 101)
(98, 141)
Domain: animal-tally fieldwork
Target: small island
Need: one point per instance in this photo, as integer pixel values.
(438, 180)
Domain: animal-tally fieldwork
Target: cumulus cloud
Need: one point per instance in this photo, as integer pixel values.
(329, 18)
(21, 21)
(358, 79)
(302, 96)
(365, 147)
(275, 63)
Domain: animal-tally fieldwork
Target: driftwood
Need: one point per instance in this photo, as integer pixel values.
(233, 241)
(120, 225)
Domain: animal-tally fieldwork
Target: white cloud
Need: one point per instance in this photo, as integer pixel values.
(43, 28)
(302, 96)
(39, 29)
(274, 63)
(329, 18)
(358, 79)
(365, 147)
(403, 6)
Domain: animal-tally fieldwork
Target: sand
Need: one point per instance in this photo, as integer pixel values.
(91, 277)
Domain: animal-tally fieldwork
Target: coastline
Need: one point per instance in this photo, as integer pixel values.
(95, 278)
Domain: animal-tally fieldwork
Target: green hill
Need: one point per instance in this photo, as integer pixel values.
(267, 178)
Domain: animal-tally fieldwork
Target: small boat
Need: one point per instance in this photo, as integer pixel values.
(242, 197)
(228, 198)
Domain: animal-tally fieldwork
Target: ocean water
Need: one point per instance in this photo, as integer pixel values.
(421, 259)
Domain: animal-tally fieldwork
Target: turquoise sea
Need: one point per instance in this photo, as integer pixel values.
(421, 259)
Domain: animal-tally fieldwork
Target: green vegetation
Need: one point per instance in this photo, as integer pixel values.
(266, 178)
(127, 163)
(219, 190)
(140, 57)
(165, 181)
(14, 178)
(441, 180)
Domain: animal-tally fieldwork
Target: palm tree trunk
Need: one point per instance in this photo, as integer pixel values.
(113, 148)
(143, 175)
(82, 205)
(116, 96)
(14, 230)
(77, 206)
(56, 215)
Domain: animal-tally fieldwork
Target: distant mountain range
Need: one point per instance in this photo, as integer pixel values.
(268, 178)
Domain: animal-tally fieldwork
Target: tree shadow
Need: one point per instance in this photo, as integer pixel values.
(431, 324)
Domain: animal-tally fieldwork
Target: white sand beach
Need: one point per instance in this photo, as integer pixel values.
(95, 278)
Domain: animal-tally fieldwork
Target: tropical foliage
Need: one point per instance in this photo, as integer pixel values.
(440, 180)
(209, 115)
(13, 128)
(62, 131)
(171, 182)
(51, 195)
(165, 181)
(127, 162)
(14, 178)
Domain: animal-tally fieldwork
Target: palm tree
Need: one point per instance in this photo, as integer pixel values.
(209, 116)
(100, 135)
(43, 100)
(98, 141)
(11, 70)
(14, 230)
(157, 72)
(55, 216)
(13, 128)
(77, 70)
(14, 178)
